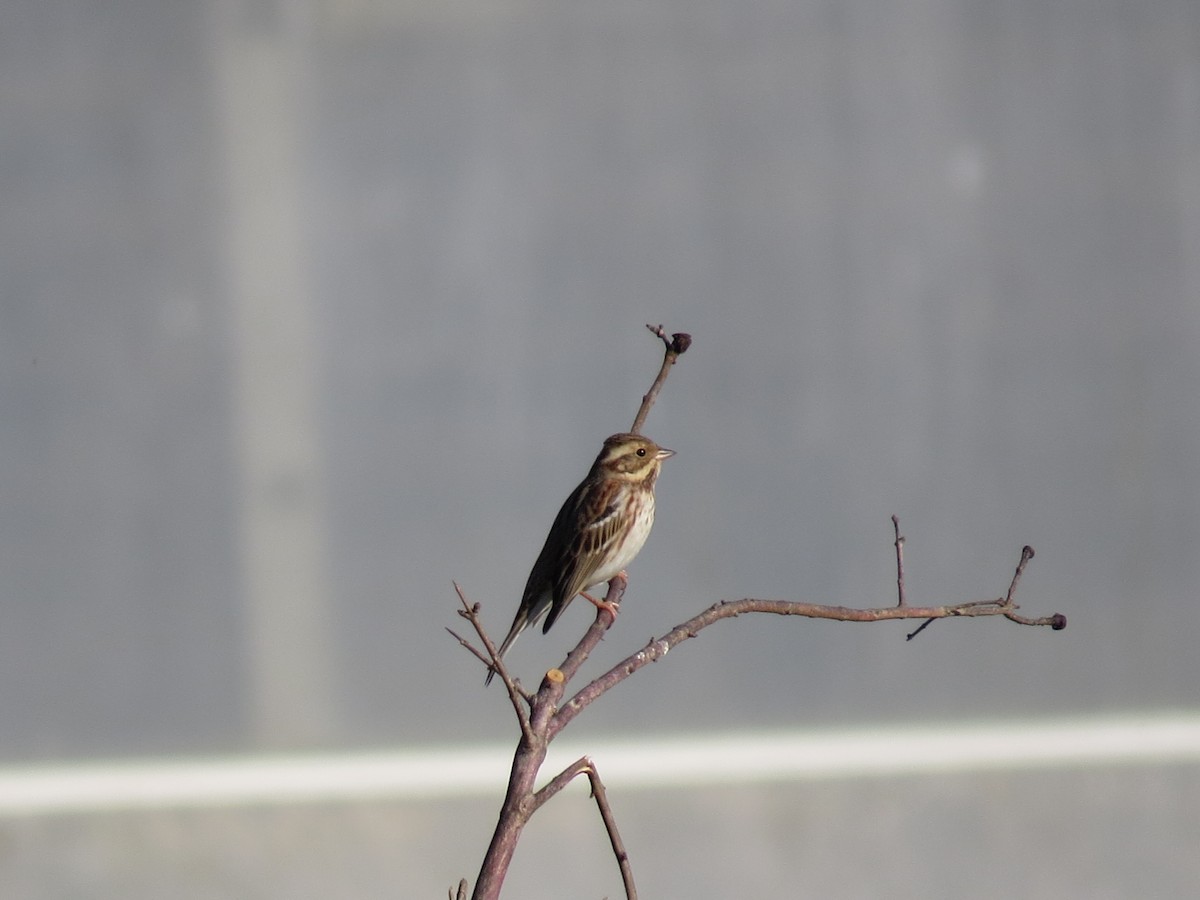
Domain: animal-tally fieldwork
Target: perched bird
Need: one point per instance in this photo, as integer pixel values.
(596, 534)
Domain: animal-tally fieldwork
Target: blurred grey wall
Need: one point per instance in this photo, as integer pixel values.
(308, 308)
(353, 290)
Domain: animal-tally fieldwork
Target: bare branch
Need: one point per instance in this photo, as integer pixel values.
(468, 646)
(548, 715)
(470, 612)
(544, 714)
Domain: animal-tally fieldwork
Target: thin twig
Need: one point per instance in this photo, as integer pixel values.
(1026, 556)
(676, 345)
(470, 612)
(471, 648)
(900, 565)
(478, 654)
(912, 634)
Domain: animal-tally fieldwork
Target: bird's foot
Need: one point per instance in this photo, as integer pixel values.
(601, 604)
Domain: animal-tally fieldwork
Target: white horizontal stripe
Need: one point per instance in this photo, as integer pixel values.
(797, 756)
(651, 763)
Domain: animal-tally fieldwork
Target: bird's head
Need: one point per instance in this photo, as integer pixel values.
(631, 457)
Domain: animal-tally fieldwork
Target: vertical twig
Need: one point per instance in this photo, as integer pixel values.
(1026, 556)
(899, 562)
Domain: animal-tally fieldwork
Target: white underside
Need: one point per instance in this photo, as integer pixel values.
(631, 548)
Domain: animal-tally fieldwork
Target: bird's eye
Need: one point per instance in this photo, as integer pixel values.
(641, 451)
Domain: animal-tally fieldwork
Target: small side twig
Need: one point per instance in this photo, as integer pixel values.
(902, 601)
(468, 646)
(585, 766)
(461, 892)
(1026, 556)
(912, 634)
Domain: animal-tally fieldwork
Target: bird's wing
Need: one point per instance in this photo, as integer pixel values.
(587, 536)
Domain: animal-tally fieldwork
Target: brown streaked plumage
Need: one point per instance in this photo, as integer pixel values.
(597, 533)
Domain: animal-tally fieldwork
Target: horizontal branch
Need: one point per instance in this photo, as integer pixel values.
(729, 609)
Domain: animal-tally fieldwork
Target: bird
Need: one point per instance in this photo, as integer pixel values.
(597, 533)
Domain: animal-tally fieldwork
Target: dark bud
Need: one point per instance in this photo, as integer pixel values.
(680, 342)
(1027, 552)
(1058, 621)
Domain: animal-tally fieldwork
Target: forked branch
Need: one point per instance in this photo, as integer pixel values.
(543, 715)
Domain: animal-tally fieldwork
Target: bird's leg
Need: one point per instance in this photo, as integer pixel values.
(605, 604)
(600, 604)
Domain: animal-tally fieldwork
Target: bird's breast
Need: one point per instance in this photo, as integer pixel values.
(634, 538)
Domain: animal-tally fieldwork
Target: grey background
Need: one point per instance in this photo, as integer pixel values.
(309, 308)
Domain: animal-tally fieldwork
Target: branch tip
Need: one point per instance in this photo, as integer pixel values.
(920, 628)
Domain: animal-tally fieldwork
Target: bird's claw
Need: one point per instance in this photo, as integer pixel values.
(601, 604)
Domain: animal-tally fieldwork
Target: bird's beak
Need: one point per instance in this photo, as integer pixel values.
(664, 453)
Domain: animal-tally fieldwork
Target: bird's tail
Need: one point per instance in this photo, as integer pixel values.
(528, 614)
(520, 623)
